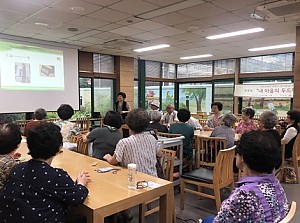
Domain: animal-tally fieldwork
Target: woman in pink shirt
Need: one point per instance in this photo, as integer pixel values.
(246, 124)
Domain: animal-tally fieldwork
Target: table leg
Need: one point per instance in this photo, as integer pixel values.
(166, 206)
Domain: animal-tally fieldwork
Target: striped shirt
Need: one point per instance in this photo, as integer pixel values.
(140, 149)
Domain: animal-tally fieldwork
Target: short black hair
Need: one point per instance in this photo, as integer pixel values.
(137, 120)
(249, 112)
(294, 115)
(260, 151)
(44, 141)
(219, 104)
(40, 114)
(65, 111)
(183, 115)
(122, 94)
(113, 119)
(10, 137)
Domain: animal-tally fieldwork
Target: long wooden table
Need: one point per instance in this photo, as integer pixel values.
(108, 192)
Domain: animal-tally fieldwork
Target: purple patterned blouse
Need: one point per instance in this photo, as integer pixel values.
(256, 199)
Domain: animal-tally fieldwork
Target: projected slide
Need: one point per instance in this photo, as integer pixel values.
(24, 67)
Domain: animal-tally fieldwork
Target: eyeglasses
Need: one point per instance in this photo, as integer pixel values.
(105, 170)
(141, 184)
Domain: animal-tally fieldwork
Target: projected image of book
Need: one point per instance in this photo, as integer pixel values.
(47, 71)
(22, 72)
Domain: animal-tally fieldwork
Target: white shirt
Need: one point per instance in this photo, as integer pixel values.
(289, 134)
(194, 123)
(169, 118)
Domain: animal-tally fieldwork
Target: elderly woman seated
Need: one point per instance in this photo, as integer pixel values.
(258, 196)
(246, 124)
(225, 129)
(39, 118)
(155, 117)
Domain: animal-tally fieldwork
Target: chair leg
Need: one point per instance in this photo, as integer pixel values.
(295, 163)
(217, 198)
(182, 194)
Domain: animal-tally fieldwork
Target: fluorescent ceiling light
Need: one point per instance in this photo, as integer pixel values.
(152, 48)
(237, 33)
(273, 47)
(195, 57)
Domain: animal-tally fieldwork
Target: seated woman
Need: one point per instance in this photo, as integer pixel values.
(289, 135)
(267, 122)
(139, 148)
(67, 128)
(37, 192)
(258, 196)
(246, 124)
(225, 129)
(10, 139)
(187, 131)
(105, 139)
(155, 117)
(39, 118)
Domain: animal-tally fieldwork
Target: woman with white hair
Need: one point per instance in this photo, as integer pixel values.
(225, 129)
(155, 117)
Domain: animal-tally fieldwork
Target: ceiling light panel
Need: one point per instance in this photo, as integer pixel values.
(152, 48)
(273, 47)
(236, 33)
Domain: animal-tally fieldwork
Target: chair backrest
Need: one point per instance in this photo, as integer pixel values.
(53, 120)
(167, 163)
(83, 123)
(296, 148)
(75, 138)
(170, 135)
(223, 170)
(82, 147)
(291, 213)
(207, 150)
(22, 124)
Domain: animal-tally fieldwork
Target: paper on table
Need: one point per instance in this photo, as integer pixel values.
(152, 184)
(23, 140)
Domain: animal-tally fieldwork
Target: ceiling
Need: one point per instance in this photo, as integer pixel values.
(117, 27)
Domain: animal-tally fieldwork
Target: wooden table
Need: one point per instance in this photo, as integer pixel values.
(108, 192)
(208, 133)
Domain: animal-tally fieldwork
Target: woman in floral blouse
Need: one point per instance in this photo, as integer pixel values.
(258, 196)
(246, 124)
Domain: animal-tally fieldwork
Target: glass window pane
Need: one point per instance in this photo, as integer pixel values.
(103, 63)
(167, 94)
(200, 69)
(103, 94)
(269, 63)
(224, 67)
(195, 96)
(136, 90)
(278, 105)
(85, 97)
(153, 69)
(168, 71)
(224, 94)
(152, 93)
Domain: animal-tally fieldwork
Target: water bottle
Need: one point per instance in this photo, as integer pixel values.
(131, 176)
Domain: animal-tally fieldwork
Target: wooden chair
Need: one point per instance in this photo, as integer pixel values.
(53, 120)
(22, 124)
(280, 171)
(202, 122)
(83, 123)
(278, 129)
(167, 163)
(220, 177)
(294, 160)
(291, 213)
(207, 149)
(201, 115)
(75, 138)
(82, 147)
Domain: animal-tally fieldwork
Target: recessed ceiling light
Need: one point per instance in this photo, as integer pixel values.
(196, 56)
(72, 29)
(152, 48)
(40, 24)
(237, 33)
(77, 8)
(273, 47)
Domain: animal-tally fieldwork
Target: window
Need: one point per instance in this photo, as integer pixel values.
(167, 94)
(200, 69)
(224, 67)
(103, 95)
(195, 96)
(151, 93)
(153, 69)
(269, 63)
(224, 94)
(85, 97)
(103, 63)
(278, 105)
(168, 71)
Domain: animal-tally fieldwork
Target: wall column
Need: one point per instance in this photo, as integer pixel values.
(125, 78)
(296, 99)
